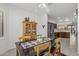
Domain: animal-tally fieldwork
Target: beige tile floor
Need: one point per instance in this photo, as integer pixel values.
(11, 52)
(67, 48)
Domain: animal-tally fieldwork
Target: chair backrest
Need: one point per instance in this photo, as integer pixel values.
(58, 46)
(42, 47)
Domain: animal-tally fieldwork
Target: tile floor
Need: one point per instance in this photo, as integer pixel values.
(11, 52)
(69, 48)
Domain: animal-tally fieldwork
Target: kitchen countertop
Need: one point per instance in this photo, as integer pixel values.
(56, 30)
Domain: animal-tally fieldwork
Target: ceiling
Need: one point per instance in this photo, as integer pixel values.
(30, 7)
(55, 10)
(63, 9)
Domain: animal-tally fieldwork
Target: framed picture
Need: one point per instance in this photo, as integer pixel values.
(1, 24)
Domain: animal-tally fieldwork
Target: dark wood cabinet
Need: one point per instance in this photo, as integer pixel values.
(62, 34)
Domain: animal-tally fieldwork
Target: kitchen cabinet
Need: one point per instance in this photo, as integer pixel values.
(62, 34)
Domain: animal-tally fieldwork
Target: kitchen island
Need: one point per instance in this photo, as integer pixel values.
(62, 33)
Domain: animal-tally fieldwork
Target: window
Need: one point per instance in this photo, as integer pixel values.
(1, 24)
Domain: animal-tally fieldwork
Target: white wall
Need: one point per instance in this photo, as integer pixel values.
(42, 21)
(4, 41)
(15, 16)
(78, 32)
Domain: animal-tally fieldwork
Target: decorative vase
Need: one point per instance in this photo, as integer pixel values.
(27, 19)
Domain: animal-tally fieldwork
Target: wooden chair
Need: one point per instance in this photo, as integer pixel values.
(57, 51)
(43, 49)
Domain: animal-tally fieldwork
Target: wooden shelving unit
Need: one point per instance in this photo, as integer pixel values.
(29, 31)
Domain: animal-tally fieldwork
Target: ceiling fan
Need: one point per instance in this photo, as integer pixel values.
(45, 6)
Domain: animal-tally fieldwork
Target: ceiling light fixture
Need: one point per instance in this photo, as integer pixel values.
(74, 14)
(58, 17)
(60, 20)
(67, 19)
(42, 5)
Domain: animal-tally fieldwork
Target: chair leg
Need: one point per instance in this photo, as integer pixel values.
(17, 52)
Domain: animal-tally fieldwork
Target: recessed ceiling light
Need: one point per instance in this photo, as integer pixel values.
(67, 19)
(60, 20)
(58, 17)
(74, 14)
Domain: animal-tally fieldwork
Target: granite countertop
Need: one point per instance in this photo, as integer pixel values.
(57, 30)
